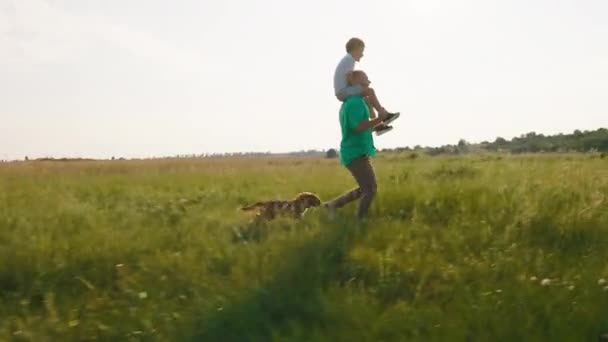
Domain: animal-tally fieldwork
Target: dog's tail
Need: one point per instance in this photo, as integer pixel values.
(250, 207)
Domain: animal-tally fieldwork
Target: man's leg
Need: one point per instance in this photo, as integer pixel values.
(345, 198)
(362, 171)
(361, 168)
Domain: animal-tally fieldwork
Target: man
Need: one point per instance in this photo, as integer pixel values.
(356, 148)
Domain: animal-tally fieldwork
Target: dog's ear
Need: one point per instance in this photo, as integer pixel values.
(312, 200)
(308, 199)
(301, 197)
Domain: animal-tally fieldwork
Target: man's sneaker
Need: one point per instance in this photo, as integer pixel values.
(331, 210)
(382, 128)
(390, 117)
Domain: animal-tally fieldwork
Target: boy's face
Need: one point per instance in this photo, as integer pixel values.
(357, 53)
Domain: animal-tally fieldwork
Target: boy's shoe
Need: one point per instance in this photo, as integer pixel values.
(390, 117)
(382, 128)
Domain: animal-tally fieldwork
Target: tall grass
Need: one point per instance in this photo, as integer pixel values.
(488, 247)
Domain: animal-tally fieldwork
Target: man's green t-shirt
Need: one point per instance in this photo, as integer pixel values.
(354, 145)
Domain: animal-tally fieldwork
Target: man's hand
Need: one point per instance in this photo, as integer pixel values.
(367, 124)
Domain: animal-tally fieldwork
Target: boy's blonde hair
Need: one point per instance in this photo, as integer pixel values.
(353, 44)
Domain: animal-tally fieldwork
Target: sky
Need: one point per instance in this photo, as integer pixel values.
(135, 78)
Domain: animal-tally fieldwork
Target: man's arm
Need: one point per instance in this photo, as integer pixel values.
(358, 120)
(366, 124)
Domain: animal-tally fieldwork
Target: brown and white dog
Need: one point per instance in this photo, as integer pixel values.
(296, 208)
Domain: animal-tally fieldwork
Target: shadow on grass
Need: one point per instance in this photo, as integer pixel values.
(293, 295)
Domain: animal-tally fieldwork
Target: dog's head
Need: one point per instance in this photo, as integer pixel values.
(308, 199)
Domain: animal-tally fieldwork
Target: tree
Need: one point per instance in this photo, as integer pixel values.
(500, 141)
(331, 153)
(463, 146)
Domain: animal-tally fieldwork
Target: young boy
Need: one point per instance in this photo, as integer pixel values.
(356, 149)
(342, 75)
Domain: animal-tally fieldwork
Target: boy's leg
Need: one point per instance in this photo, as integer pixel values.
(343, 94)
(373, 100)
(370, 105)
(370, 98)
(370, 95)
(380, 128)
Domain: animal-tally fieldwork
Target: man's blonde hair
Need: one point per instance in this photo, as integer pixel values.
(352, 76)
(353, 44)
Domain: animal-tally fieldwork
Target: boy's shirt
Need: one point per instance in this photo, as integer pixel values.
(346, 65)
(355, 145)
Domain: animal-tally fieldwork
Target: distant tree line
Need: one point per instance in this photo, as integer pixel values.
(578, 141)
(586, 141)
(302, 153)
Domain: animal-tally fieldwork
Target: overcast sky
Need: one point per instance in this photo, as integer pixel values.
(135, 78)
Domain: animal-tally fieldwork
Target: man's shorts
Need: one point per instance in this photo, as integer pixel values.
(349, 91)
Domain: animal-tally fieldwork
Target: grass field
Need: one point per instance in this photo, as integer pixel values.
(471, 248)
